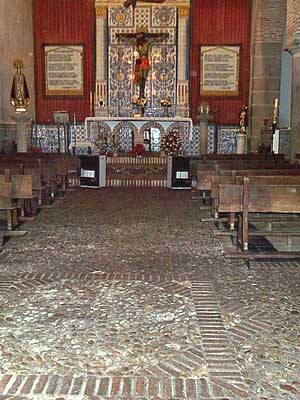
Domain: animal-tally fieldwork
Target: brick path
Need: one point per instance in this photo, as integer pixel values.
(154, 237)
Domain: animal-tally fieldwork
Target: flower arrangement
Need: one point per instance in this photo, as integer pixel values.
(171, 144)
(141, 102)
(138, 150)
(166, 102)
(103, 147)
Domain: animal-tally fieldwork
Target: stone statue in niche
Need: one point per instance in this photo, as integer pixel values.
(19, 96)
(132, 3)
(142, 40)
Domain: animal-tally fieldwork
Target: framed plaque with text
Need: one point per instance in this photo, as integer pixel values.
(219, 75)
(63, 70)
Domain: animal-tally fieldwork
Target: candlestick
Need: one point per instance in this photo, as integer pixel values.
(275, 112)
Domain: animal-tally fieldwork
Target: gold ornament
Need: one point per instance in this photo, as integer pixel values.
(101, 11)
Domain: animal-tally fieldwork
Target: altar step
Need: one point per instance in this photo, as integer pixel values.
(125, 171)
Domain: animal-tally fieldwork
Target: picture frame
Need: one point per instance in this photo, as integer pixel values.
(220, 70)
(64, 69)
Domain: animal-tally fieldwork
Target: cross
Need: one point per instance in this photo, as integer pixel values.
(142, 41)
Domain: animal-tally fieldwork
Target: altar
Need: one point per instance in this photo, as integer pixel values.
(133, 146)
(122, 135)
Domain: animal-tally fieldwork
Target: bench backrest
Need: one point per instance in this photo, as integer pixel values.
(5, 195)
(21, 186)
(36, 174)
(256, 172)
(269, 180)
(259, 198)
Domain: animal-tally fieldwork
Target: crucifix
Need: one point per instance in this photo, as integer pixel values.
(142, 41)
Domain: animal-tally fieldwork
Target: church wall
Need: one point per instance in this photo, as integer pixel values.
(293, 22)
(268, 22)
(64, 22)
(215, 22)
(16, 42)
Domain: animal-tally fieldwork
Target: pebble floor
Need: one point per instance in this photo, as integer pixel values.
(125, 294)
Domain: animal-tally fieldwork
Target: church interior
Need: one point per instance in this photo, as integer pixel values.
(150, 199)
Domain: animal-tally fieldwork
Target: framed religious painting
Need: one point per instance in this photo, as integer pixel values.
(219, 70)
(63, 70)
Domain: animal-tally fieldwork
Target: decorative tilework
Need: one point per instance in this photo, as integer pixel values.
(191, 148)
(50, 138)
(78, 133)
(161, 80)
(7, 135)
(227, 139)
(212, 138)
(164, 16)
(120, 17)
(142, 16)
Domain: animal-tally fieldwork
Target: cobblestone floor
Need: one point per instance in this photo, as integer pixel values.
(125, 294)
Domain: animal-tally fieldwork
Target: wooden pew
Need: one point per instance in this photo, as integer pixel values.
(260, 176)
(11, 209)
(56, 168)
(38, 187)
(22, 191)
(260, 196)
(205, 176)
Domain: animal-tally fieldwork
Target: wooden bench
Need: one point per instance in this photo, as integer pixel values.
(11, 209)
(258, 195)
(206, 171)
(260, 176)
(38, 187)
(56, 168)
(22, 191)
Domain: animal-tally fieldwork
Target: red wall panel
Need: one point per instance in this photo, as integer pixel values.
(63, 22)
(215, 22)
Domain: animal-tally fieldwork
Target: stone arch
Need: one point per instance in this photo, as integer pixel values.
(174, 127)
(101, 129)
(149, 125)
(125, 143)
(155, 142)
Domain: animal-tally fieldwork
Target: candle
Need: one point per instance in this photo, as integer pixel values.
(74, 119)
(276, 103)
(207, 109)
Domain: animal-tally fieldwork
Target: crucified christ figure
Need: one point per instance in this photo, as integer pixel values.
(128, 3)
(142, 41)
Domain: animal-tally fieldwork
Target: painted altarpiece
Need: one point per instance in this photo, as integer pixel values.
(168, 75)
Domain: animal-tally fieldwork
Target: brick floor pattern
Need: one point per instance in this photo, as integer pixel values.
(169, 248)
(161, 383)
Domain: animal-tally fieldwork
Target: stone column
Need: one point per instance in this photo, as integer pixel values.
(241, 140)
(100, 97)
(295, 114)
(182, 59)
(268, 21)
(21, 121)
(203, 123)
